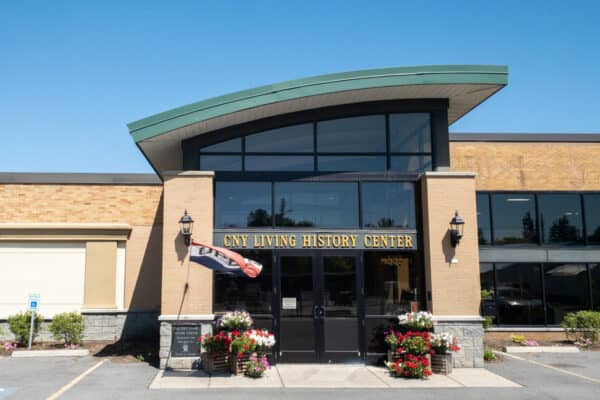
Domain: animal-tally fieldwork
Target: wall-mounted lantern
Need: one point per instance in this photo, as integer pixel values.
(456, 229)
(186, 227)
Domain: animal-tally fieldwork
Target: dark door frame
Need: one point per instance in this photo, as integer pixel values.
(318, 283)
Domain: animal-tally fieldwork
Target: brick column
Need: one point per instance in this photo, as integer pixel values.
(186, 287)
(452, 274)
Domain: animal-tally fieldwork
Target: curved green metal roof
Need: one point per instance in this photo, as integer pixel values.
(167, 121)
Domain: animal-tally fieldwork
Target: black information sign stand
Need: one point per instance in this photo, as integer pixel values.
(185, 340)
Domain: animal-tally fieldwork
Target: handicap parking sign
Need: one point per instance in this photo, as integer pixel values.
(33, 302)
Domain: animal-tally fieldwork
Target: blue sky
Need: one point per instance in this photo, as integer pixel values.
(73, 73)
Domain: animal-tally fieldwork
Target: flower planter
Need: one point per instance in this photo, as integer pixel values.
(237, 365)
(441, 363)
(215, 363)
(392, 356)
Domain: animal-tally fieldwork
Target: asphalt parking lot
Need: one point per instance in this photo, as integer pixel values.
(542, 376)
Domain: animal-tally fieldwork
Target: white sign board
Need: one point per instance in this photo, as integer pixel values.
(288, 303)
(33, 302)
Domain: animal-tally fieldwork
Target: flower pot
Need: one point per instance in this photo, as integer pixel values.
(215, 363)
(441, 363)
(237, 364)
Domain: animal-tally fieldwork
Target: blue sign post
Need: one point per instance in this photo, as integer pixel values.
(33, 304)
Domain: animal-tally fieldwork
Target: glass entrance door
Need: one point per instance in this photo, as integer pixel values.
(319, 307)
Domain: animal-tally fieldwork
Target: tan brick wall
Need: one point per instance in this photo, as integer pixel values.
(454, 287)
(529, 166)
(191, 190)
(140, 206)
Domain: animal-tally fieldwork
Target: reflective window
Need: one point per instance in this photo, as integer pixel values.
(560, 218)
(388, 205)
(595, 275)
(220, 163)
(364, 134)
(255, 295)
(488, 290)
(290, 139)
(352, 163)
(514, 218)
(316, 204)
(229, 146)
(391, 282)
(280, 163)
(484, 229)
(566, 288)
(242, 204)
(410, 133)
(591, 204)
(519, 294)
(410, 163)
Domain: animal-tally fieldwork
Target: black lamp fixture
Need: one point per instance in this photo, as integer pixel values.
(456, 229)
(186, 226)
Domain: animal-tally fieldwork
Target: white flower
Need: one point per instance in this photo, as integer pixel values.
(262, 337)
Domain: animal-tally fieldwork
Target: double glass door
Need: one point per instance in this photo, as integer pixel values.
(319, 307)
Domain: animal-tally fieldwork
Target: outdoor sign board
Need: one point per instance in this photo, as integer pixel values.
(33, 302)
(185, 340)
(338, 240)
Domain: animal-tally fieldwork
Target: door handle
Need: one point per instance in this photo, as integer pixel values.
(318, 312)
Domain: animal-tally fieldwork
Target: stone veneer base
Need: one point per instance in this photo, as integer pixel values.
(469, 332)
(166, 323)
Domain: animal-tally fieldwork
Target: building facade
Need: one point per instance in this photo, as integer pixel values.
(343, 187)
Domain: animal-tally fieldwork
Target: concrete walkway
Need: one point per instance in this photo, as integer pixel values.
(317, 376)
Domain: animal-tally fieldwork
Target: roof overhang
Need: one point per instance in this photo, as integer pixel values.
(159, 137)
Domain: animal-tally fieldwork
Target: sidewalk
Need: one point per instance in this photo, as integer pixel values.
(316, 376)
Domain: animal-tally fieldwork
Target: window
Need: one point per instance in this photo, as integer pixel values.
(410, 163)
(255, 295)
(484, 229)
(391, 282)
(566, 288)
(410, 133)
(220, 163)
(514, 219)
(560, 218)
(519, 294)
(291, 139)
(229, 146)
(388, 205)
(279, 163)
(488, 290)
(595, 275)
(591, 204)
(242, 204)
(352, 163)
(316, 204)
(364, 134)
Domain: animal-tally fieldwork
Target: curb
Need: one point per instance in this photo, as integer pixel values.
(51, 353)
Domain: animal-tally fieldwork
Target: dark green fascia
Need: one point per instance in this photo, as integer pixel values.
(218, 106)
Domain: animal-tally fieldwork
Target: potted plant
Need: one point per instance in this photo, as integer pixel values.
(216, 352)
(442, 346)
(416, 321)
(416, 344)
(392, 339)
(415, 367)
(264, 340)
(235, 321)
(256, 366)
(242, 347)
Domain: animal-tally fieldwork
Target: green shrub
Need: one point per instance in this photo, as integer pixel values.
(488, 355)
(67, 327)
(486, 294)
(518, 338)
(488, 320)
(582, 326)
(20, 323)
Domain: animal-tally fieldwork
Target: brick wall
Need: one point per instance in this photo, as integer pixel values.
(529, 166)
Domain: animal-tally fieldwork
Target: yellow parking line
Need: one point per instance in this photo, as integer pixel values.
(75, 381)
(564, 371)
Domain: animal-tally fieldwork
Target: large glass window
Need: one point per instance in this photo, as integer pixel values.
(255, 295)
(352, 163)
(519, 294)
(242, 204)
(560, 216)
(591, 204)
(228, 146)
(364, 134)
(514, 219)
(279, 163)
(290, 139)
(484, 229)
(567, 290)
(316, 204)
(391, 283)
(220, 163)
(410, 133)
(488, 290)
(410, 163)
(595, 275)
(388, 205)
